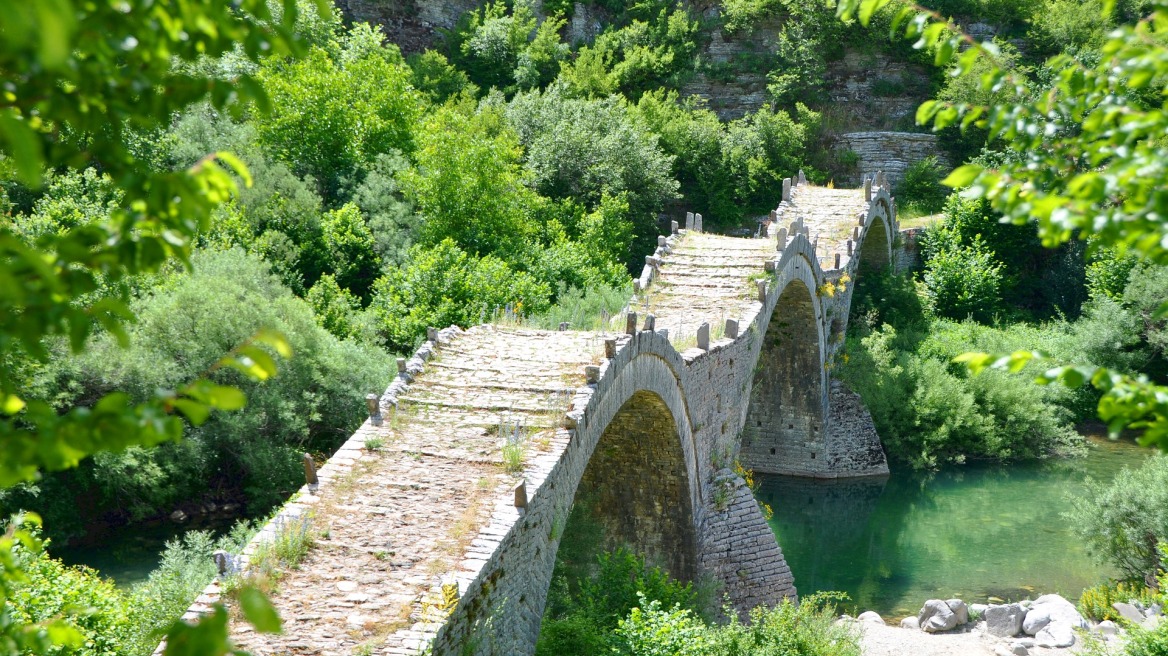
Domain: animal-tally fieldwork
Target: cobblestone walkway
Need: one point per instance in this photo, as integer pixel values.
(398, 519)
(710, 278)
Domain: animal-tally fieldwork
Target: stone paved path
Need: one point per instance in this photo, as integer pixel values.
(406, 514)
(710, 278)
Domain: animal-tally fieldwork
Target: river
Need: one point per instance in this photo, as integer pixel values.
(976, 532)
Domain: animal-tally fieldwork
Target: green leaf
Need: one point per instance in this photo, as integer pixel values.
(225, 397)
(975, 362)
(962, 176)
(276, 340)
(236, 165)
(926, 110)
(195, 412)
(259, 611)
(11, 404)
(24, 146)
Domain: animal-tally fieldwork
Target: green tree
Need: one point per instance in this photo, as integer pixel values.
(331, 115)
(349, 250)
(585, 149)
(82, 81)
(1103, 179)
(469, 185)
(444, 285)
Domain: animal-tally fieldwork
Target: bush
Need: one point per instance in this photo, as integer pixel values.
(1096, 603)
(445, 286)
(964, 281)
(929, 413)
(921, 191)
(185, 325)
(805, 629)
(1123, 522)
(582, 614)
(186, 568)
(105, 616)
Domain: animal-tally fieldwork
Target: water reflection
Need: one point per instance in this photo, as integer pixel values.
(975, 532)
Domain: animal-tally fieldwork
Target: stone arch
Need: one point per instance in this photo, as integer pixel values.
(876, 243)
(640, 475)
(784, 431)
(635, 490)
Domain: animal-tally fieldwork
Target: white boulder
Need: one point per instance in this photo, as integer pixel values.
(936, 616)
(871, 616)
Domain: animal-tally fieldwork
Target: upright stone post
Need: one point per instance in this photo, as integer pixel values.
(704, 337)
(673, 227)
(631, 323)
(610, 344)
(310, 471)
(521, 495)
(867, 190)
(698, 222)
(849, 248)
(432, 334)
(651, 323)
(856, 233)
(373, 405)
(802, 178)
(591, 374)
(837, 260)
(782, 238)
(786, 190)
(401, 366)
(661, 241)
(762, 290)
(731, 328)
(689, 220)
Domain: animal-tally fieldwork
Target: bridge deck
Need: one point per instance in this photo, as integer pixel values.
(710, 278)
(407, 513)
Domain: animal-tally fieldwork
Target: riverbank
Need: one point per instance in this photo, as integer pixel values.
(1048, 625)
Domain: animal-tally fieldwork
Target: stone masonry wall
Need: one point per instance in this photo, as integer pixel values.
(890, 152)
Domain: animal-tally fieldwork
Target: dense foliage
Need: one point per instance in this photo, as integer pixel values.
(625, 607)
(1124, 522)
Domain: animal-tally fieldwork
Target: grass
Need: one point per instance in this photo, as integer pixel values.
(910, 219)
(374, 444)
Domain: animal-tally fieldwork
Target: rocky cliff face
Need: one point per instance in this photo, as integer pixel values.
(413, 25)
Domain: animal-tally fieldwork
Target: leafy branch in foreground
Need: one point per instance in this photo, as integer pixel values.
(1086, 156)
(1128, 401)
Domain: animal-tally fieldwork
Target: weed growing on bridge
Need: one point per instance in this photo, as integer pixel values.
(284, 551)
(374, 444)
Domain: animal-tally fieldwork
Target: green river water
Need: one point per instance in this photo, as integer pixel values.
(976, 532)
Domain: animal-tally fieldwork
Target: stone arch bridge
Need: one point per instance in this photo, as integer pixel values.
(439, 520)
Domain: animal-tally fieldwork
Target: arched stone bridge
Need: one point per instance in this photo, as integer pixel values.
(433, 532)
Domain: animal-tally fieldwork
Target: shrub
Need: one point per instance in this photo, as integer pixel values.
(930, 414)
(445, 286)
(583, 613)
(808, 628)
(1096, 603)
(964, 281)
(104, 616)
(185, 325)
(1123, 522)
(921, 190)
(186, 568)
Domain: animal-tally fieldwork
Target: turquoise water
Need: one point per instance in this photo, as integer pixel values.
(976, 532)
